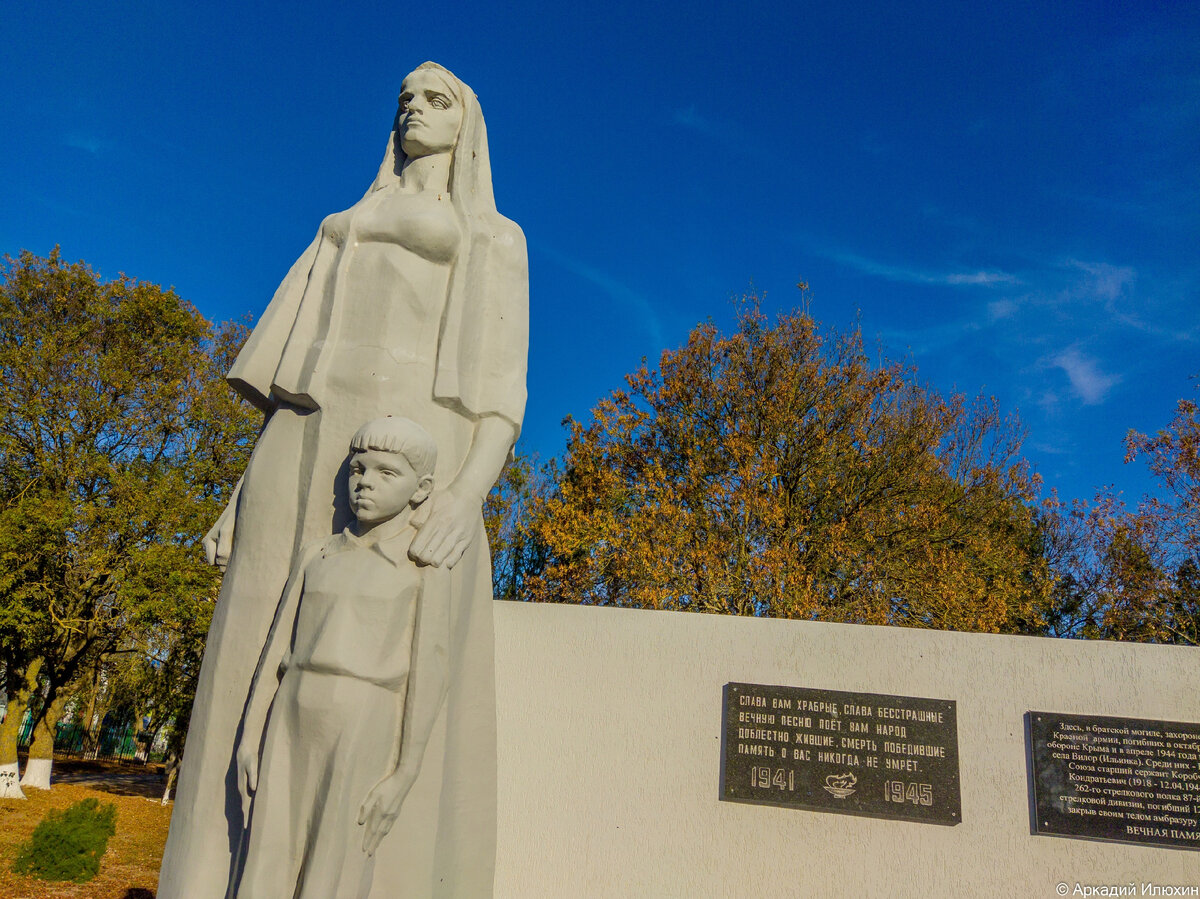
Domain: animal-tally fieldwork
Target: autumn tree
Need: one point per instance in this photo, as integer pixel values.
(1173, 455)
(1132, 573)
(118, 447)
(780, 471)
(517, 551)
(1109, 584)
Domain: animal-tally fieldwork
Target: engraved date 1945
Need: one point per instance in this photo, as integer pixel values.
(901, 791)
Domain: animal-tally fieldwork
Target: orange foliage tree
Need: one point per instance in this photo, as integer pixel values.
(1174, 458)
(1134, 574)
(778, 471)
(517, 553)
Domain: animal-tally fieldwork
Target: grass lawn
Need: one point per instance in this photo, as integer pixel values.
(129, 869)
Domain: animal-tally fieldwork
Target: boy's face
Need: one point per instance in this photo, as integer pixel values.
(382, 485)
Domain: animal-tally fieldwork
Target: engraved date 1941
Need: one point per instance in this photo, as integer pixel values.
(766, 778)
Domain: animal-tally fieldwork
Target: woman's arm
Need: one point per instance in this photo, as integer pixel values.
(253, 372)
(218, 542)
(446, 532)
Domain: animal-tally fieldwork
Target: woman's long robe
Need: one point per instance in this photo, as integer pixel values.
(383, 314)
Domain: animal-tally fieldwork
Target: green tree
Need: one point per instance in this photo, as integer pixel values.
(776, 471)
(119, 446)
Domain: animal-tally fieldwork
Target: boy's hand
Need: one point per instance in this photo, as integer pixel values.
(247, 777)
(381, 808)
(446, 530)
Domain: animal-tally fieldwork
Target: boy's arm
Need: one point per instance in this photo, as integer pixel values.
(266, 681)
(428, 682)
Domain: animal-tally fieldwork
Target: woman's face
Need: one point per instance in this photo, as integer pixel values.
(430, 116)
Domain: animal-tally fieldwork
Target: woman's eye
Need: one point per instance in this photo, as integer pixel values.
(439, 103)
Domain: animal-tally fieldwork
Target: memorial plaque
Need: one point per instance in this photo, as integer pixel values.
(853, 753)
(1124, 779)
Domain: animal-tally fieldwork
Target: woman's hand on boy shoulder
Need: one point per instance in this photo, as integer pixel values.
(445, 529)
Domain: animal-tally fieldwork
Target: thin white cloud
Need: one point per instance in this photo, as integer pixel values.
(872, 145)
(1165, 311)
(1050, 449)
(1088, 382)
(982, 278)
(1106, 282)
(89, 143)
(691, 118)
(617, 290)
(932, 339)
(1048, 400)
(744, 140)
(918, 276)
(999, 310)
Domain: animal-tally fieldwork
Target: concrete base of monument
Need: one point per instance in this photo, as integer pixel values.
(610, 754)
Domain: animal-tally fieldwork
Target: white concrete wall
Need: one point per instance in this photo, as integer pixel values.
(610, 733)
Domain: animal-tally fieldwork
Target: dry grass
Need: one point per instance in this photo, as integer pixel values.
(129, 869)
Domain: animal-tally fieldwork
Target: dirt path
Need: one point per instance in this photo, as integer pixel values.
(111, 777)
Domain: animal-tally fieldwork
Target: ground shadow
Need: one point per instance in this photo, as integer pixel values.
(123, 779)
(138, 893)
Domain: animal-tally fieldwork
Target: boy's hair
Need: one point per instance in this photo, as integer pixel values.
(402, 436)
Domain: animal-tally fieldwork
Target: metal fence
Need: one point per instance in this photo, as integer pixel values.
(108, 741)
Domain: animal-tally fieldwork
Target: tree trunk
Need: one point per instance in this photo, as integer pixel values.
(10, 730)
(41, 750)
(172, 769)
(93, 693)
(99, 713)
(142, 752)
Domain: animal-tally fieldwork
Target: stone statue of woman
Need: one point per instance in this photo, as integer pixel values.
(414, 303)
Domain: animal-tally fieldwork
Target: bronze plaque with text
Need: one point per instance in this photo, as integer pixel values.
(1126, 779)
(831, 751)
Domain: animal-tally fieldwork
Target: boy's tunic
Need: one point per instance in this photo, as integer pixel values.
(358, 610)
(334, 726)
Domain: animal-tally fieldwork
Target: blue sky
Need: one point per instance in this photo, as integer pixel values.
(1007, 195)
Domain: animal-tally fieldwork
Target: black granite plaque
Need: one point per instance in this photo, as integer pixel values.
(853, 753)
(1124, 779)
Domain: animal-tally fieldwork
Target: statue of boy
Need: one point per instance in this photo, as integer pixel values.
(348, 686)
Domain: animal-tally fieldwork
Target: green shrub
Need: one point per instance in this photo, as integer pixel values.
(67, 845)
